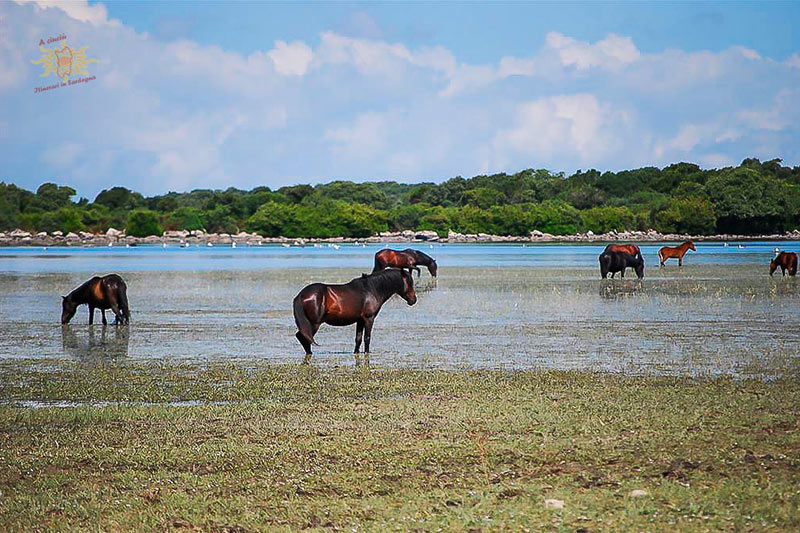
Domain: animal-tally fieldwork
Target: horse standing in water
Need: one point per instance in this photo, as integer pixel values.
(785, 260)
(108, 292)
(404, 259)
(614, 262)
(357, 302)
(675, 251)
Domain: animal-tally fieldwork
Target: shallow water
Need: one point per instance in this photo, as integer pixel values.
(493, 306)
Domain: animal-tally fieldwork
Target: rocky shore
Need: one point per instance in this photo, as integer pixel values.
(114, 237)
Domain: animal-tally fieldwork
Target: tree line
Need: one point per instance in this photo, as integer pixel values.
(752, 198)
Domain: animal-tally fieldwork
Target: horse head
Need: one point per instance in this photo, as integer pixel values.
(691, 246)
(68, 308)
(408, 294)
(433, 268)
(639, 266)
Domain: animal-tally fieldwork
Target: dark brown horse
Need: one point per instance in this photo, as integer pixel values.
(675, 251)
(627, 248)
(108, 292)
(613, 262)
(407, 258)
(785, 260)
(357, 302)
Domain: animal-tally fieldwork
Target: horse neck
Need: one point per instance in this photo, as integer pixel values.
(79, 295)
(422, 259)
(385, 286)
(684, 246)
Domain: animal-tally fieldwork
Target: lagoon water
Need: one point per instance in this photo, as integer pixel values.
(493, 306)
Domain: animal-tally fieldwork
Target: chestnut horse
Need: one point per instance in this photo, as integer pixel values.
(675, 251)
(407, 258)
(357, 302)
(785, 260)
(108, 292)
(627, 248)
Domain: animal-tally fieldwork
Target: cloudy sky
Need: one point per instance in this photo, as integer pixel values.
(192, 95)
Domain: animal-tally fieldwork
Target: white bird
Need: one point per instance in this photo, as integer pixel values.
(163, 245)
(286, 245)
(233, 245)
(741, 246)
(110, 244)
(209, 244)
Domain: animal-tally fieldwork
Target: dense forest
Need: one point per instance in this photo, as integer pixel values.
(752, 198)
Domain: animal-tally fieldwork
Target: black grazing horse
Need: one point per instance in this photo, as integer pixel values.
(357, 302)
(407, 258)
(614, 262)
(108, 292)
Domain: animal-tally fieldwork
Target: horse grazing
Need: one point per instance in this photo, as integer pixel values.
(785, 260)
(357, 302)
(675, 251)
(108, 292)
(627, 248)
(407, 258)
(614, 262)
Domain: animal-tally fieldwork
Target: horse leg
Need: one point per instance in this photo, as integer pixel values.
(91, 315)
(359, 335)
(367, 335)
(418, 271)
(680, 261)
(622, 274)
(103, 313)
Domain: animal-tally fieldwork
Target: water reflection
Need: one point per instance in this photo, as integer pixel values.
(612, 289)
(95, 342)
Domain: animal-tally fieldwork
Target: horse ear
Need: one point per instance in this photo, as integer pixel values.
(63, 297)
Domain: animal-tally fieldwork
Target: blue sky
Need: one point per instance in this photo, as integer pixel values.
(189, 95)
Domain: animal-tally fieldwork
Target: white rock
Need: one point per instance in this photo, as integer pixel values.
(554, 504)
(111, 232)
(71, 235)
(57, 234)
(638, 493)
(19, 233)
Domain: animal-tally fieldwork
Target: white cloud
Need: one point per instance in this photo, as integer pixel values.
(794, 60)
(611, 53)
(291, 59)
(576, 124)
(784, 112)
(95, 14)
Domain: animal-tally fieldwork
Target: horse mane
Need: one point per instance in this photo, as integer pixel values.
(77, 290)
(384, 281)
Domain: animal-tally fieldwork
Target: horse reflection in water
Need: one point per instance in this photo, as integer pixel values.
(95, 342)
(619, 290)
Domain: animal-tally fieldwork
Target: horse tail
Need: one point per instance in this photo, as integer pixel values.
(302, 321)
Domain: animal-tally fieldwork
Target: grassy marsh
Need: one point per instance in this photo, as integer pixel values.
(288, 447)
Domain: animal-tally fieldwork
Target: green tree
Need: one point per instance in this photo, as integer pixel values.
(143, 222)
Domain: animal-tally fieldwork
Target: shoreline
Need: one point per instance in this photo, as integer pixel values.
(20, 238)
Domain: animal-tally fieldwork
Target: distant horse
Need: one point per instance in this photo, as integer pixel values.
(627, 248)
(614, 262)
(357, 302)
(785, 260)
(108, 292)
(675, 251)
(404, 259)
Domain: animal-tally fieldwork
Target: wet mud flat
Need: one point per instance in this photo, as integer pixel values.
(730, 319)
